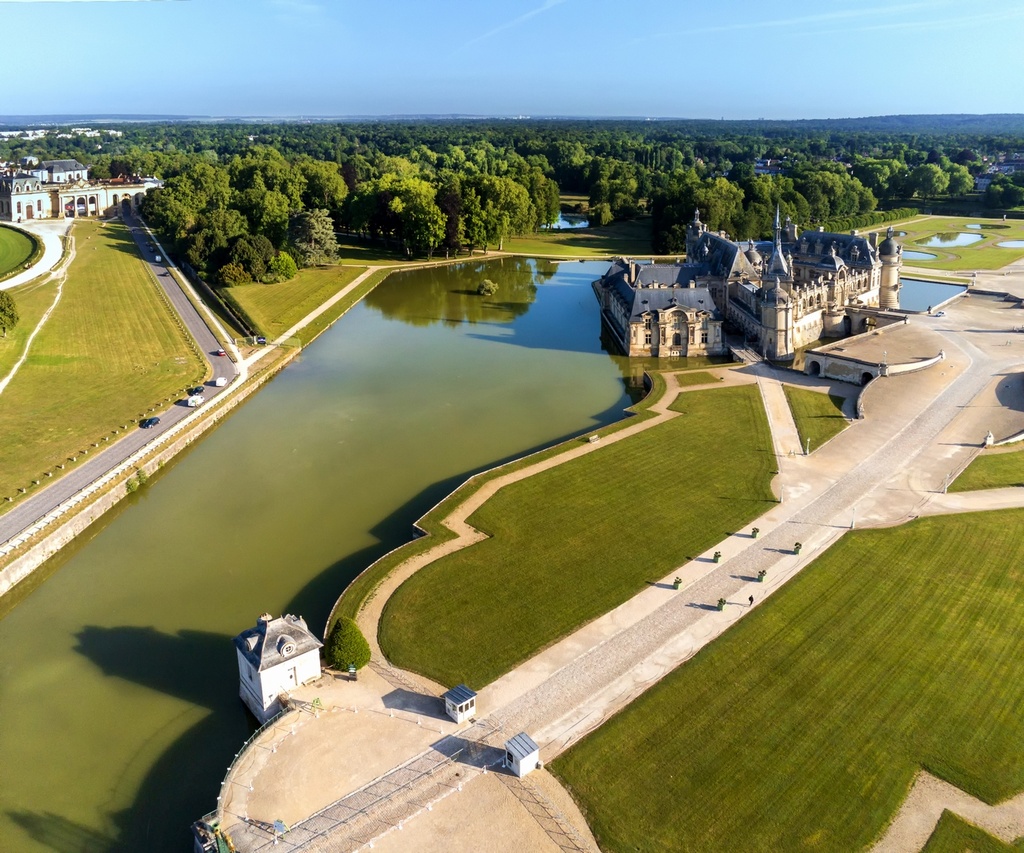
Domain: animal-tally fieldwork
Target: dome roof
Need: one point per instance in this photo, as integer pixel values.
(889, 245)
(752, 254)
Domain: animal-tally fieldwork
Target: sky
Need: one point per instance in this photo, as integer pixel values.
(733, 59)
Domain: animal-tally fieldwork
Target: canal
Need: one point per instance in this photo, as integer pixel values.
(118, 681)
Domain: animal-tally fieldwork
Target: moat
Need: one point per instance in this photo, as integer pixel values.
(118, 682)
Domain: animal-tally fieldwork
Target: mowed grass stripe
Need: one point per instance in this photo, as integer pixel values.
(804, 726)
(991, 470)
(818, 416)
(32, 301)
(15, 249)
(955, 835)
(573, 542)
(275, 308)
(110, 350)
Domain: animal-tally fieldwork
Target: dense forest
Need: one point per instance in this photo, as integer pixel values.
(251, 201)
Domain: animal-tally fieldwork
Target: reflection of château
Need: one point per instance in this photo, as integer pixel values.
(782, 295)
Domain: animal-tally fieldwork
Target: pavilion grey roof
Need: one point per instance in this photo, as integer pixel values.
(854, 249)
(459, 694)
(521, 746)
(274, 641)
(62, 165)
(657, 287)
(646, 300)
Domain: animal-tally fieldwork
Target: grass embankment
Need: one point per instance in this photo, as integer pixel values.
(16, 249)
(695, 377)
(985, 254)
(569, 544)
(955, 835)
(365, 585)
(991, 470)
(803, 727)
(111, 349)
(818, 416)
(32, 300)
(275, 308)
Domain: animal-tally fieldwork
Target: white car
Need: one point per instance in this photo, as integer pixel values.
(221, 381)
(195, 400)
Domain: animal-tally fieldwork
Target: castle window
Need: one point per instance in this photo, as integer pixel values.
(703, 337)
(647, 338)
(19, 207)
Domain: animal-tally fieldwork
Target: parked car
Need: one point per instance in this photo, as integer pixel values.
(939, 314)
(195, 400)
(197, 390)
(261, 340)
(221, 381)
(149, 423)
(220, 352)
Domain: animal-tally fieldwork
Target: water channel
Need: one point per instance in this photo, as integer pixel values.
(118, 681)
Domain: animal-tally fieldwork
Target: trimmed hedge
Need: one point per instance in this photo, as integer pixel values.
(866, 220)
(346, 645)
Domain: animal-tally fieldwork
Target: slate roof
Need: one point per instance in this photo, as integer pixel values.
(62, 165)
(459, 694)
(844, 246)
(264, 646)
(521, 746)
(659, 287)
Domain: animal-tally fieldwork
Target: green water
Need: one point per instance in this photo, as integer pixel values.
(118, 683)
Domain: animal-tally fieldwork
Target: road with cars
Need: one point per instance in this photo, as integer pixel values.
(50, 497)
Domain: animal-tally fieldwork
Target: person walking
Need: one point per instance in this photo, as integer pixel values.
(751, 601)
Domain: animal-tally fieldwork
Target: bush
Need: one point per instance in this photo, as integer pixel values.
(232, 275)
(346, 645)
(487, 287)
(282, 267)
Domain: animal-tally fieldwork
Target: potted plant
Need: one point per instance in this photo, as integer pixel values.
(718, 556)
(755, 531)
(721, 604)
(678, 582)
(797, 547)
(760, 576)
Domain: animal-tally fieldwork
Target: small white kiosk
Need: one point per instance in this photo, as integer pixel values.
(460, 703)
(522, 755)
(273, 658)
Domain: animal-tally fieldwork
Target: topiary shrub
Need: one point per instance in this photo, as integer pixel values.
(346, 645)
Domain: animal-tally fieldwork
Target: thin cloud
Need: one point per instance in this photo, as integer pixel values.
(522, 19)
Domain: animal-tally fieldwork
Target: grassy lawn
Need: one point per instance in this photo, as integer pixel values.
(695, 377)
(619, 238)
(818, 416)
(32, 300)
(109, 351)
(983, 255)
(803, 727)
(571, 543)
(955, 835)
(16, 248)
(277, 307)
(991, 470)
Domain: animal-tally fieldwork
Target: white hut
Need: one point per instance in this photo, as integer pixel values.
(276, 656)
(460, 703)
(522, 755)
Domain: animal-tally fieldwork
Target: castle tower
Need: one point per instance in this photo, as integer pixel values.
(694, 230)
(891, 255)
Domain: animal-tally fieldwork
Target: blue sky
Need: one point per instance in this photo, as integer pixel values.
(715, 59)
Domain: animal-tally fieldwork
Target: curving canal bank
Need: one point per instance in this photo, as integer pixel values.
(118, 681)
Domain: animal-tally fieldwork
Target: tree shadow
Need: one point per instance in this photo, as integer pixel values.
(698, 606)
(742, 578)
(660, 585)
(59, 833)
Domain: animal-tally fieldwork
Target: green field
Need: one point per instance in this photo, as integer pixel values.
(275, 308)
(991, 470)
(955, 835)
(110, 350)
(802, 728)
(818, 416)
(983, 255)
(571, 543)
(32, 300)
(16, 248)
(695, 377)
(620, 238)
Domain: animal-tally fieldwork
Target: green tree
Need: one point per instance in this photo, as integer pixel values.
(313, 238)
(253, 252)
(928, 180)
(346, 646)
(232, 275)
(960, 180)
(325, 187)
(8, 312)
(283, 267)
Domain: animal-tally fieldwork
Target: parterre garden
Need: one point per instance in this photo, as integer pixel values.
(984, 254)
(803, 727)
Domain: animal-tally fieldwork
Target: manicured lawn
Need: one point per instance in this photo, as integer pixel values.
(571, 543)
(15, 249)
(818, 416)
(619, 238)
(109, 351)
(695, 377)
(991, 470)
(955, 835)
(32, 300)
(277, 307)
(803, 727)
(983, 255)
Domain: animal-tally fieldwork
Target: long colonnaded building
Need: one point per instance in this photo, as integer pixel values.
(781, 296)
(62, 188)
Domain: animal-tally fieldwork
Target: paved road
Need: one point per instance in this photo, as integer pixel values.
(34, 508)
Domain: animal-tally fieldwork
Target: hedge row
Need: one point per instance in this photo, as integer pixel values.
(866, 220)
